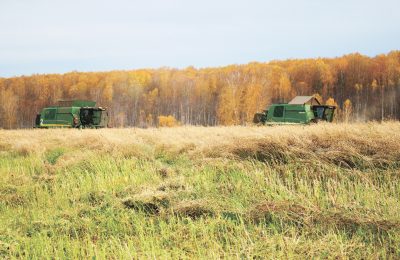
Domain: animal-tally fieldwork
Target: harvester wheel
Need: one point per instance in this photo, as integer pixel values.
(76, 121)
(259, 118)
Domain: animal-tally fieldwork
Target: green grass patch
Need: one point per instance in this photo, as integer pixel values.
(53, 155)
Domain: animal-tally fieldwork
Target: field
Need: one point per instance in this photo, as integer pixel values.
(324, 191)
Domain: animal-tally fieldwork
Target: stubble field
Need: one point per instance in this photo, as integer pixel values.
(325, 191)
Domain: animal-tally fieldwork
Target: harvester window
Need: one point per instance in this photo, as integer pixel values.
(87, 116)
(329, 114)
(278, 111)
(319, 112)
(50, 114)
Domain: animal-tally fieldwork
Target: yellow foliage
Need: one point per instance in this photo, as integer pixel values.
(347, 110)
(168, 121)
(331, 102)
(226, 107)
(319, 98)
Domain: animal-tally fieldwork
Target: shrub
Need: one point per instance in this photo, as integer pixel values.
(167, 121)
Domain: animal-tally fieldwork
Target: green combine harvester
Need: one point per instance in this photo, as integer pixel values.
(73, 114)
(301, 110)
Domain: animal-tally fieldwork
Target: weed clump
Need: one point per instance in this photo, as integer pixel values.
(163, 172)
(194, 209)
(38, 227)
(74, 227)
(173, 185)
(94, 198)
(150, 202)
(44, 178)
(149, 207)
(12, 197)
(286, 210)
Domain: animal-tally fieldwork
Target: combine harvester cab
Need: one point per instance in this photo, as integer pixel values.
(301, 110)
(73, 114)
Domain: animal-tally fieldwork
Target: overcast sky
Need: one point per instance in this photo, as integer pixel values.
(51, 36)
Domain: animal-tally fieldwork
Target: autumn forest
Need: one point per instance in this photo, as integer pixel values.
(364, 88)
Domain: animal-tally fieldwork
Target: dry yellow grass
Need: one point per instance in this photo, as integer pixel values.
(370, 141)
(200, 138)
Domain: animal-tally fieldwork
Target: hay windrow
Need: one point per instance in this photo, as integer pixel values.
(291, 212)
(194, 209)
(148, 201)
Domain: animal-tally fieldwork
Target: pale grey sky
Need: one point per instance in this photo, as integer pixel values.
(54, 36)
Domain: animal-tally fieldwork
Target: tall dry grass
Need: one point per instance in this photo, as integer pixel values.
(199, 137)
(370, 143)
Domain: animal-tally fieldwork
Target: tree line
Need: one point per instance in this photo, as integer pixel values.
(364, 88)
